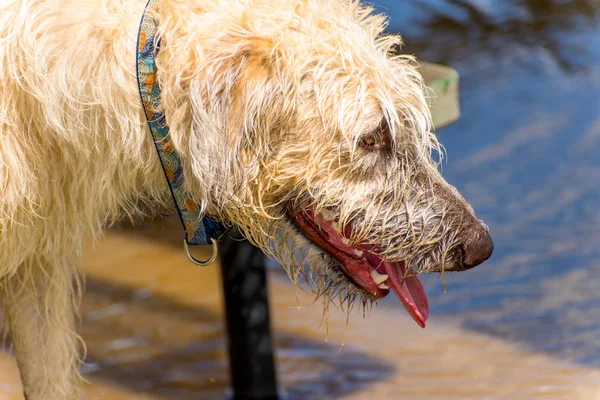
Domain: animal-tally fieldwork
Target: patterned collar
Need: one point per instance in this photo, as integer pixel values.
(198, 229)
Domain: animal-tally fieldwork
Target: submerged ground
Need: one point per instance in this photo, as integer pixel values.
(525, 325)
(154, 328)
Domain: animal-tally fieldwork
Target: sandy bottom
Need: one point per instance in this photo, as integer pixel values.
(153, 324)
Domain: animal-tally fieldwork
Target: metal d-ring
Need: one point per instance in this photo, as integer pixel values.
(213, 257)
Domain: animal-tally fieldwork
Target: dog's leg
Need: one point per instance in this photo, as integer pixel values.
(39, 302)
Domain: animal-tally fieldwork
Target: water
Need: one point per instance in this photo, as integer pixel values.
(525, 153)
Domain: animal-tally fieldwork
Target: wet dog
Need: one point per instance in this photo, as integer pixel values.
(296, 121)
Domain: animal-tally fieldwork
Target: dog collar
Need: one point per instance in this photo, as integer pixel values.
(198, 229)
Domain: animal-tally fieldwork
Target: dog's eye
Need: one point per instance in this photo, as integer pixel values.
(370, 141)
(377, 139)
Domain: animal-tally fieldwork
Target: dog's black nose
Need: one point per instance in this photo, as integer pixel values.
(477, 247)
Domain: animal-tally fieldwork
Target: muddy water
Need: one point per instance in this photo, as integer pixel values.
(154, 329)
(523, 326)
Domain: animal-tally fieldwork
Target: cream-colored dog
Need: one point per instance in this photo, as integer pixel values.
(294, 119)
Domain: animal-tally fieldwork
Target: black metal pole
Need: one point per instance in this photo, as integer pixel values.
(252, 365)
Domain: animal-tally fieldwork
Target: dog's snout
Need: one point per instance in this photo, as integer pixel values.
(477, 246)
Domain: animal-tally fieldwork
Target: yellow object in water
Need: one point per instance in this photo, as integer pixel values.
(443, 97)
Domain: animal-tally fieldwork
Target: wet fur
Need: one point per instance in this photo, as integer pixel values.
(268, 102)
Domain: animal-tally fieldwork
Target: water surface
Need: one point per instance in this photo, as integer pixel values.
(526, 154)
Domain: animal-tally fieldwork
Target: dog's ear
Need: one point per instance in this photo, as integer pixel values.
(243, 97)
(260, 99)
(253, 92)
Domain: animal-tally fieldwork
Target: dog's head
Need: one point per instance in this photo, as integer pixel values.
(303, 127)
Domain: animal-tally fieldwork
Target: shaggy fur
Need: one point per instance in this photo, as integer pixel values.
(269, 104)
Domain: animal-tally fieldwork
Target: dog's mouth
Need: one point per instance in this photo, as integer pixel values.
(361, 266)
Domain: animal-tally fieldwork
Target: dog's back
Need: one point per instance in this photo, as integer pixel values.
(66, 141)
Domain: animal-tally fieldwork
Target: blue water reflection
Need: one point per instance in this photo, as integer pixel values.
(526, 154)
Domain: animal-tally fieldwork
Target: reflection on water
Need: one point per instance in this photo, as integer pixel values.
(525, 153)
(154, 328)
(490, 32)
(157, 345)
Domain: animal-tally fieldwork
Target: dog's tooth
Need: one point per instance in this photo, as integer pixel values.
(383, 286)
(346, 241)
(335, 226)
(327, 214)
(359, 253)
(378, 278)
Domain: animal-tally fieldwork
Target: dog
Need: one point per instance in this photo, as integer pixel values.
(298, 121)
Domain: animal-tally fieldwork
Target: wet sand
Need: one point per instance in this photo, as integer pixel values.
(154, 328)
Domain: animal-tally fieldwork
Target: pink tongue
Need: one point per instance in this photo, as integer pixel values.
(410, 292)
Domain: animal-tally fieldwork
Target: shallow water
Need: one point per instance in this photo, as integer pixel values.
(154, 328)
(525, 325)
